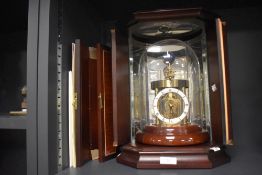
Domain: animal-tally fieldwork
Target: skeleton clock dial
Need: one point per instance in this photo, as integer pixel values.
(171, 106)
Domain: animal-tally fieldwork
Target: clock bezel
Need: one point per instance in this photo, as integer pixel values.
(175, 120)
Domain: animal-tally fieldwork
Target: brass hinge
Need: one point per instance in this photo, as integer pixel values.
(100, 101)
(75, 101)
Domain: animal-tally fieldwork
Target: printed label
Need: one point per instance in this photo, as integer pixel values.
(168, 160)
(215, 148)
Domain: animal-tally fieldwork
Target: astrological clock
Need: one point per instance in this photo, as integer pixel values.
(179, 90)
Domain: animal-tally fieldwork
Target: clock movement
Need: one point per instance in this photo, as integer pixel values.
(179, 90)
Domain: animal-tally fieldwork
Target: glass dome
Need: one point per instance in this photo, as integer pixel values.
(166, 86)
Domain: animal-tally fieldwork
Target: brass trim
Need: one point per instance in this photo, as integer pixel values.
(230, 142)
(75, 101)
(100, 101)
(92, 53)
(160, 84)
(95, 154)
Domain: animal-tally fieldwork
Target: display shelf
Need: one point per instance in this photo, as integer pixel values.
(13, 54)
(12, 122)
(13, 161)
(13, 70)
(13, 151)
(247, 163)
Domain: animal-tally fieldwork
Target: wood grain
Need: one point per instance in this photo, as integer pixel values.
(172, 136)
(146, 156)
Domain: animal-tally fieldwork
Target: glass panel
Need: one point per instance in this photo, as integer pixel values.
(168, 74)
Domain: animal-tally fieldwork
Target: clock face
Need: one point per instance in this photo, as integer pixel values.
(171, 105)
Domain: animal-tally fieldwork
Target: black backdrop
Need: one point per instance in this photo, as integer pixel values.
(245, 63)
(244, 26)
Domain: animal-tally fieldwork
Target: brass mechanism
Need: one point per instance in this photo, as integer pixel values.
(75, 101)
(100, 101)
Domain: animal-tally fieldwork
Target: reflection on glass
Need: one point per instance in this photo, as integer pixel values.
(177, 65)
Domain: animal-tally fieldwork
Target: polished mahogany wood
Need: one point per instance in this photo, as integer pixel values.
(215, 83)
(227, 80)
(92, 101)
(172, 136)
(147, 156)
(81, 112)
(94, 124)
(120, 82)
(95, 118)
(105, 106)
(172, 14)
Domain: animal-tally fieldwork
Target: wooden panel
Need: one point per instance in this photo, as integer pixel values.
(92, 101)
(105, 107)
(147, 156)
(173, 14)
(222, 38)
(227, 87)
(167, 14)
(214, 83)
(81, 111)
(121, 94)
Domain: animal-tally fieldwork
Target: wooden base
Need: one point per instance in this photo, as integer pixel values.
(181, 135)
(146, 156)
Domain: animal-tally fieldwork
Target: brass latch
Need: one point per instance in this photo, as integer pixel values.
(100, 101)
(75, 101)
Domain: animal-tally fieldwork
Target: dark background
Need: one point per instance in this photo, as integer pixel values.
(245, 63)
(244, 26)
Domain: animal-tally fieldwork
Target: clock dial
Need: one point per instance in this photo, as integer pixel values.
(171, 105)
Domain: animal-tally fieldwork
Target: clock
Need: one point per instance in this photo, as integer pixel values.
(171, 106)
(176, 57)
(171, 79)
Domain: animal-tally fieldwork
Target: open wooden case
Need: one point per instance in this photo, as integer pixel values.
(97, 97)
(160, 96)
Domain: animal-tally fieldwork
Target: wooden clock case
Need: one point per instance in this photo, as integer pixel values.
(211, 153)
(103, 103)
